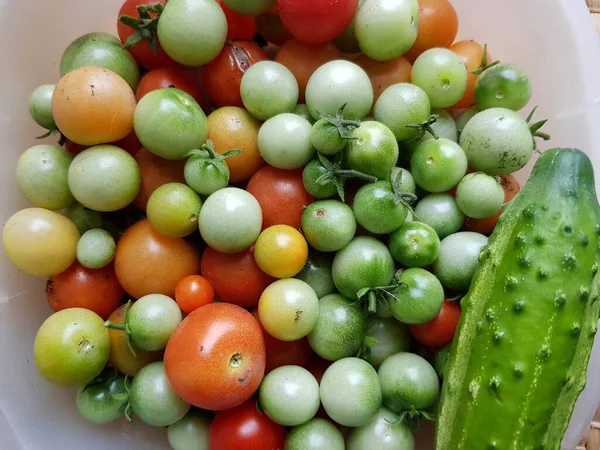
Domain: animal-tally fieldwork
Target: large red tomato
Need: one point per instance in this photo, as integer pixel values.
(281, 195)
(236, 277)
(439, 331)
(165, 77)
(238, 25)
(142, 51)
(317, 21)
(215, 359)
(245, 428)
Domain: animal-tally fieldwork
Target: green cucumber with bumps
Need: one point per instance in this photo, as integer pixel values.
(518, 362)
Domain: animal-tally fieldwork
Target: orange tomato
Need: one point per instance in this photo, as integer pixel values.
(121, 357)
(438, 27)
(193, 292)
(303, 59)
(147, 262)
(93, 106)
(385, 74)
(281, 251)
(472, 55)
(235, 128)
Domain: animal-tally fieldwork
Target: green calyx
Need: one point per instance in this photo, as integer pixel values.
(210, 158)
(337, 176)
(425, 127)
(536, 127)
(145, 27)
(485, 63)
(345, 127)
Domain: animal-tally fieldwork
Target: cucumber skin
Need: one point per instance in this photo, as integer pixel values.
(518, 362)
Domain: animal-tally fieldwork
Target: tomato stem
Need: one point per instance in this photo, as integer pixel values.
(115, 326)
(425, 127)
(372, 297)
(351, 173)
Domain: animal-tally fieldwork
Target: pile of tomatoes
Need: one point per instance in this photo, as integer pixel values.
(286, 272)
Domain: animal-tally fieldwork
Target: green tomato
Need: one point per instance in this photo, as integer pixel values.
(441, 360)
(442, 75)
(441, 213)
(206, 175)
(503, 86)
(289, 395)
(340, 329)
(170, 123)
(351, 392)
(414, 244)
(387, 30)
(269, 88)
(230, 220)
(378, 209)
(151, 320)
(464, 117)
(191, 432)
(387, 337)
(40, 106)
(328, 225)
(284, 141)
(438, 165)
(250, 7)
(408, 381)
(84, 218)
(479, 195)
(104, 178)
(444, 127)
(326, 138)
(459, 259)
(401, 105)
(153, 399)
(419, 297)
(192, 32)
(384, 432)
(406, 184)
(318, 434)
(317, 273)
(173, 210)
(364, 263)
(338, 83)
(347, 42)
(373, 151)
(96, 249)
(100, 50)
(497, 141)
(71, 347)
(42, 176)
(310, 176)
(302, 110)
(104, 400)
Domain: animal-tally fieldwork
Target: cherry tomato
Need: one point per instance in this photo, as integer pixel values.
(238, 25)
(215, 359)
(281, 195)
(281, 251)
(193, 292)
(385, 74)
(147, 262)
(438, 27)
(222, 76)
(270, 27)
(235, 277)
(246, 428)
(471, 54)
(317, 21)
(439, 331)
(165, 77)
(142, 51)
(303, 59)
(79, 287)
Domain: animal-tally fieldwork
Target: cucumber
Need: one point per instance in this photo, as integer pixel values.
(519, 360)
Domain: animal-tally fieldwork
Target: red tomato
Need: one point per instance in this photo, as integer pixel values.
(245, 428)
(439, 331)
(317, 21)
(236, 277)
(438, 27)
(172, 77)
(270, 27)
(79, 287)
(142, 52)
(238, 25)
(215, 359)
(282, 353)
(193, 292)
(130, 144)
(281, 195)
(222, 76)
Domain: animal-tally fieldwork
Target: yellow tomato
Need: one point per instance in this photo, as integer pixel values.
(281, 251)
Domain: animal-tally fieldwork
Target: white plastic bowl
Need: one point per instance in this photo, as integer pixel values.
(554, 40)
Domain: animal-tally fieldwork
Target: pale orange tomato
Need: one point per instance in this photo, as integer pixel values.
(385, 74)
(471, 54)
(281, 251)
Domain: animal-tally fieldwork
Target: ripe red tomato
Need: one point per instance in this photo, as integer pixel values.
(193, 292)
(245, 428)
(215, 359)
(317, 21)
(238, 25)
(79, 287)
(142, 51)
(281, 195)
(236, 277)
(439, 331)
(270, 27)
(222, 76)
(282, 353)
(165, 77)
